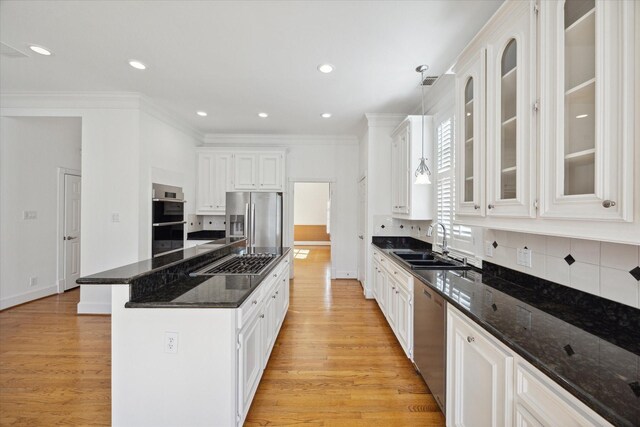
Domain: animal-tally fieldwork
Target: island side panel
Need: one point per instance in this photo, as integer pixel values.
(196, 386)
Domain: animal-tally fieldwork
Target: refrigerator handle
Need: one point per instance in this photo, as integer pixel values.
(253, 225)
(246, 222)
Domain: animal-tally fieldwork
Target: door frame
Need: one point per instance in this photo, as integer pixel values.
(289, 220)
(60, 226)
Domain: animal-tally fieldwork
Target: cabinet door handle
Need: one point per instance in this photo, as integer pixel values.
(470, 339)
(608, 203)
(476, 207)
(490, 206)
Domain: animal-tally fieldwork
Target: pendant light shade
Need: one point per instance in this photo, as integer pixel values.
(422, 172)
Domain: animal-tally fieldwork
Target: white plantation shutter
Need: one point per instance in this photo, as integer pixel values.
(445, 187)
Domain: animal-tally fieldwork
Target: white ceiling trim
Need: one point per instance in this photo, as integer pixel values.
(278, 140)
(40, 101)
(384, 119)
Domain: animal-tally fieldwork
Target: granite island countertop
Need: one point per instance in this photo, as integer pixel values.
(591, 348)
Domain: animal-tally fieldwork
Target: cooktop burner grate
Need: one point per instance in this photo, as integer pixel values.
(247, 264)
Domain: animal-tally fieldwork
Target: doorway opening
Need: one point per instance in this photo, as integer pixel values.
(312, 226)
(69, 190)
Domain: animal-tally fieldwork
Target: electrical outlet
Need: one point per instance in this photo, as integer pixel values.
(488, 248)
(33, 281)
(524, 257)
(171, 342)
(115, 217)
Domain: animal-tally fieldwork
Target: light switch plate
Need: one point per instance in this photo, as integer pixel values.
(115, 217)
(488, 248)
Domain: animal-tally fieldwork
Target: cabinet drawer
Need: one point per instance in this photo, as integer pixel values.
(251, 305)
(547, 403)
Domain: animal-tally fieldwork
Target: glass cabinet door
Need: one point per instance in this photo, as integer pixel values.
(587, 109)
(469, 136)
(511, 139)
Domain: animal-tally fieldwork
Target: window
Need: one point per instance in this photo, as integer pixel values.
(445, 185)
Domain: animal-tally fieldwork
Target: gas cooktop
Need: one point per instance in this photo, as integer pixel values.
(238, 265)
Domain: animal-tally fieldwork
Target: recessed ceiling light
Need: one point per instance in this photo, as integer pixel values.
(137, 65)
(325, 68)
(263, 115)
(202, 113)
(41, 50)
(581, 116)
(325, 115)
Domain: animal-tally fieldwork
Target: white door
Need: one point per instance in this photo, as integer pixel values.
(71, 230)
(362, 226)
(404, 312)
(249, 362)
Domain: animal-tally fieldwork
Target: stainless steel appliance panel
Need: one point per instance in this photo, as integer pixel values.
(167, 228)
(266, 220)
(237, 214)
(429, 339)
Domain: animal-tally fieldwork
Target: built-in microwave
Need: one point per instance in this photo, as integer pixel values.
(167, 231)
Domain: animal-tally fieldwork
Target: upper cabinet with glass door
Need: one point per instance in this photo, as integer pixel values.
(469, 141)
(511, 89)
(587, 102)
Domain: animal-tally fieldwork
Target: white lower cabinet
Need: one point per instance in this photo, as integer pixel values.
(489, 385)
(393, 290)
(479, 377)
(258, 334)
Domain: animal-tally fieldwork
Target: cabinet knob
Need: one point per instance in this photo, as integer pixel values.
(470, 339)
(395, 272)
(275, 275)
(254, 302)
(273, 296)
(490, 206)
(262, 316)
(397, 292)
(476, 207)
(608, 203)
(277, 292)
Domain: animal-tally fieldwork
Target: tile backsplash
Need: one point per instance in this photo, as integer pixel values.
(385, 225)
(599, 268)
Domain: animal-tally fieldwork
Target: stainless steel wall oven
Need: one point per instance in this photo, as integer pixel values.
(167, 231)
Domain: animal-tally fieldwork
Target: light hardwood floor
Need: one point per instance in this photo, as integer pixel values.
(336, 362)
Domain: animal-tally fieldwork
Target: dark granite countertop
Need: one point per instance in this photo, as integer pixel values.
(203, 292)
(589, 347)
(127, 273)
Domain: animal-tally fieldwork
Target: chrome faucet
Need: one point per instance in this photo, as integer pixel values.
(444, 245)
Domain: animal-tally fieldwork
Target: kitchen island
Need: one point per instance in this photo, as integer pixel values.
(191, 350)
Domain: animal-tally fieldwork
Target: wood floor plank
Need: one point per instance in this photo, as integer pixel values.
(337, 362)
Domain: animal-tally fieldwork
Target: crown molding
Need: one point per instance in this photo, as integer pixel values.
(384, 119)
(233, 139)
(39, 102)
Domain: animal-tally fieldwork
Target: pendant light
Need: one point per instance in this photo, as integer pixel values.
(423, 172)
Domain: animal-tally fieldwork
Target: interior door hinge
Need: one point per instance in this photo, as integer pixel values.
(536, 9)
(536, 106)
(535, 204)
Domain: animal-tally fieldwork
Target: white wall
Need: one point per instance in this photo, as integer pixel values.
(336, 163)
(31, 151)
(126, 142)
(310, 203)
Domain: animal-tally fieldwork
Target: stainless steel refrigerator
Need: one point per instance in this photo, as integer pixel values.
(255, 216)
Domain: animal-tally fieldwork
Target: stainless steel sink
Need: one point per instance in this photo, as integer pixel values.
(429, 261)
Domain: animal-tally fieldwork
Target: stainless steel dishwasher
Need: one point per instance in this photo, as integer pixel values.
(429, 339)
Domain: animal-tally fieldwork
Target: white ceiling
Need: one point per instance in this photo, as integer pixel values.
(234, 59)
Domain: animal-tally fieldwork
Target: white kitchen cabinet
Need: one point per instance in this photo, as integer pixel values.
(479, 376)
(511, 94)
(215, 178)
(470, 135)
(410, 200)
(270, 323)
(489, 385)
(393, 289)
(259, 171)
(587, 107)
(250, 361)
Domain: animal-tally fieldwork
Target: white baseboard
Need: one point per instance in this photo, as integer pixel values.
(313, 243)
(346, 275)
(28, 296)
(93, 308)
